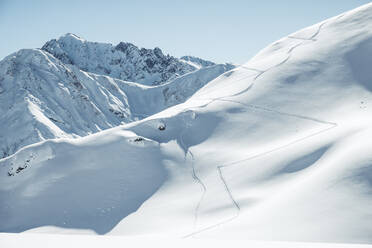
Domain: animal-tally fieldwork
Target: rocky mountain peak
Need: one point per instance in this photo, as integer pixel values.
(124, 61)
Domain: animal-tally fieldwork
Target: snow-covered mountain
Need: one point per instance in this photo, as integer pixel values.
(124, 61)
(197, 62)
(42, 97)
(277, 149)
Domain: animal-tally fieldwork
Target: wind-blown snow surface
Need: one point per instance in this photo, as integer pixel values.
(277, 149)
(42, 98)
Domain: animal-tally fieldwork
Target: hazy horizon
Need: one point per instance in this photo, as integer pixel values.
(231, 31)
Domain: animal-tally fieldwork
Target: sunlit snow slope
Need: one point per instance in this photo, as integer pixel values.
(277, 149)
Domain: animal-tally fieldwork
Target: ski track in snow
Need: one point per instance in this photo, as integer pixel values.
(261, 72)
(220, 167)
(312, 38)
(300, 38)
(204, 188)
(194, 176)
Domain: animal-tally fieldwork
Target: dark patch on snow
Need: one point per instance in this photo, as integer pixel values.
(305, 161)
(360, 61)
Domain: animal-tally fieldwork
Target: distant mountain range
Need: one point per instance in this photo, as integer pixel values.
(124, 61)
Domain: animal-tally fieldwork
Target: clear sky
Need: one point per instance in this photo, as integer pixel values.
(219, 30)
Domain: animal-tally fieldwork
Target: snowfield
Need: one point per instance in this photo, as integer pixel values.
(278, 149)
(62, 241)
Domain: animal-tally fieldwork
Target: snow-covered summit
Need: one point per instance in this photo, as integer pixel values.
(124, 61)
(44, 96)
(198, 62)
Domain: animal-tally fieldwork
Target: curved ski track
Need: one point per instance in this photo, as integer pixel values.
(194, 176)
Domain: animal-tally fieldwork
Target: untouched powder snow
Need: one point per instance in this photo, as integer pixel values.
(277, 149)
(139, 175)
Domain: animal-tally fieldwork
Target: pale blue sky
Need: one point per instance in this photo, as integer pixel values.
(222, 31)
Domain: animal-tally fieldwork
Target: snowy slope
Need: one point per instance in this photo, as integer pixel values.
(124, 61)
(277, 149)
(43, 98)
(62, 241)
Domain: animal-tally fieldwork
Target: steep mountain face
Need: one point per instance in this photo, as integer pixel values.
(42, 98)
(277, 149)
(124, 61)
(45, 96)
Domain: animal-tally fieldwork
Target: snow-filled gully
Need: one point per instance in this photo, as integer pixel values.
(219, 168)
